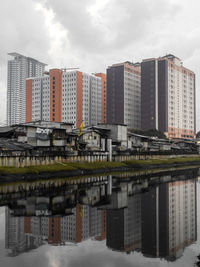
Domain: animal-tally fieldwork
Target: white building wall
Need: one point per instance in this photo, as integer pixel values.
(36, 99)
(69, 97)
(45, 99)
(95, 98)
(86, 101)
(132, 99)
(181, 99)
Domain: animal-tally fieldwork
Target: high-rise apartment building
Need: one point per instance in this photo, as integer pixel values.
(124, 94)
(20, 68)
(103, 95)
(168, 97)
(64, 96)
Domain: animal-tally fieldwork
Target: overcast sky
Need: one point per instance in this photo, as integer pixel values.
(92, 34)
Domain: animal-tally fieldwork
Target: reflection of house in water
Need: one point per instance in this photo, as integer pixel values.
(55, 212)
(169, 219)
(50, 198)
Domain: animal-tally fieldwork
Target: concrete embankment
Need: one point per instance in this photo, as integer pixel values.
(90, 168)
(30, 161)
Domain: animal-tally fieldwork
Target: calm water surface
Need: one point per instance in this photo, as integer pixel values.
(120, 220)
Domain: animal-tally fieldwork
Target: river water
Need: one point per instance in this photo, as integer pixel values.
(128, 219)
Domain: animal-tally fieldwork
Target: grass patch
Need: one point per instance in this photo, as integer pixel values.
(162, 161)
(60, 167)
(36, 169)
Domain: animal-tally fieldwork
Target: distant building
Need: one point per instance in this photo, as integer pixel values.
(168, 97)
(124, 94)
(19, 69)
(103, 95)
(64, 96)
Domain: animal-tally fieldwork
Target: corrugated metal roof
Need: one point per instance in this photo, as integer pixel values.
(6, 129)
(13, 145)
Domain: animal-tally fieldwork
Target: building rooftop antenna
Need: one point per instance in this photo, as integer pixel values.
(65, 69)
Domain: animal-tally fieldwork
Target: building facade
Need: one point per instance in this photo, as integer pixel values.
(168, 97)
(103, 96)
(124, 94)
(20, 68)
(64, 96)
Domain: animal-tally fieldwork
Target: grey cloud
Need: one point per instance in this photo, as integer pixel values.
(97, 35)
(118, 22)
(22, 31)
(33, 258)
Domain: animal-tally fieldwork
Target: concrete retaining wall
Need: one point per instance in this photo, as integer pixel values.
(34, 161)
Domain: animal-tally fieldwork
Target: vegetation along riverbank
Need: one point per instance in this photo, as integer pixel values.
(85, 168)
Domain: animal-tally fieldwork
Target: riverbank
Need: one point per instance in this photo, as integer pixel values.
(90, 168)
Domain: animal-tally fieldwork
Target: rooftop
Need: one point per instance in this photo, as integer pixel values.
(14, 54)
(13, 145)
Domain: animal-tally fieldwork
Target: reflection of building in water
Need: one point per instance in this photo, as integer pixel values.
(75, 228)
(124, 224)
(84, 223)
(102, 234)
(169, 219)
(15, 236)
(25, 233)
(50, 198)
(156, 215)
(21, 234)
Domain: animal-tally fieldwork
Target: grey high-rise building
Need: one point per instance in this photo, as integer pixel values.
(20, 68)
(124, 94)
(168, 97)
